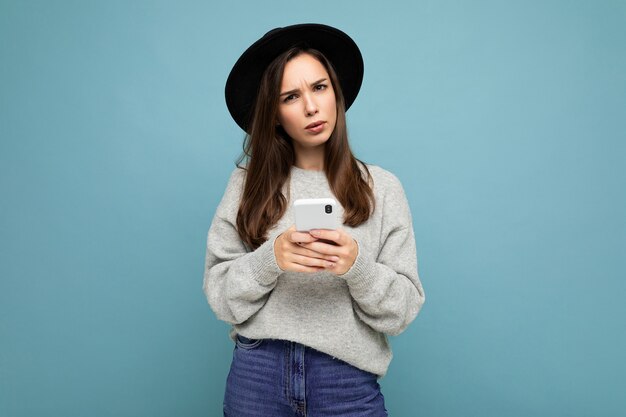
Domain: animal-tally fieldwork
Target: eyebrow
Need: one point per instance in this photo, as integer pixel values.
(297, 89)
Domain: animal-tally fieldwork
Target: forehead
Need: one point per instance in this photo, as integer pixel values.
(303, 68)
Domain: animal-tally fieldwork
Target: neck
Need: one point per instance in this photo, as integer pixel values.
(310, 159)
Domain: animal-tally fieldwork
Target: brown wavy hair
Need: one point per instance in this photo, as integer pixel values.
(269, 153)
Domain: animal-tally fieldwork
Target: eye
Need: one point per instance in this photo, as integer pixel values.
(320, 87)
(289, 98)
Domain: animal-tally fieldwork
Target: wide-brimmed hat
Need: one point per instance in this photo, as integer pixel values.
(244, 79)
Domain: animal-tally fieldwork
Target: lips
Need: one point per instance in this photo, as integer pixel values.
(315, 124)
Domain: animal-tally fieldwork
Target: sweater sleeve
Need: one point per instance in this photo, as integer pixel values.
(385, 287)
(237, 281)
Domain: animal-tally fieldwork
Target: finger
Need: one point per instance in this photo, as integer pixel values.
(301, 237)
(308, 261)
(333, 235)
(324, 248)
(312, 254)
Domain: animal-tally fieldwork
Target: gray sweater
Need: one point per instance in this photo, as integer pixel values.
(347, 316)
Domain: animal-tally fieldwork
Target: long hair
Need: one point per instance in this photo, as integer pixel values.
(269, 153)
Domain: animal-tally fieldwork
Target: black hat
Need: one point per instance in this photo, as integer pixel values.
(244, 79)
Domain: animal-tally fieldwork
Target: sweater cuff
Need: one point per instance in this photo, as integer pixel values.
(360, 277)
(264, 268)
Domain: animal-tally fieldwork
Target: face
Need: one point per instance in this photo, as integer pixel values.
(306, 107)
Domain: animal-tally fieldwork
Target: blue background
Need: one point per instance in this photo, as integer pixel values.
(505, 121)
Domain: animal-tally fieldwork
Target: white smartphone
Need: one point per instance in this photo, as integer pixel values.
(315, 213)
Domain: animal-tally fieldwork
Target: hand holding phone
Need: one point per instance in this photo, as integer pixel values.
(328, 248)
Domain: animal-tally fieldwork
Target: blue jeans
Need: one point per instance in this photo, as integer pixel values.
(278, 378)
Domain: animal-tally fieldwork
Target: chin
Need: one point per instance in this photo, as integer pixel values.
(319, 142)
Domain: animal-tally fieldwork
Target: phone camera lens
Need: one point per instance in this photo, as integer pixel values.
(328, 209)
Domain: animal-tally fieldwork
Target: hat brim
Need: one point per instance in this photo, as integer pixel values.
(244, 79)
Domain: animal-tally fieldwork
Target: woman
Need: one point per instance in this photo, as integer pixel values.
(310, 311)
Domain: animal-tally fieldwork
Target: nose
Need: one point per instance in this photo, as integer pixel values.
(310, 106)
